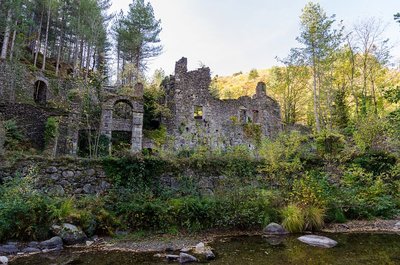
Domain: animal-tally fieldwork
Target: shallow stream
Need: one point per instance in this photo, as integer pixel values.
(353, 249)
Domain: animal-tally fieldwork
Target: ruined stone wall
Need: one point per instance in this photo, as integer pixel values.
(222, 121)
(60, 177)
(17, 84)
(74, 177)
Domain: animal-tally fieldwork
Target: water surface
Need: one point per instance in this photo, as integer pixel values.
(354, 249)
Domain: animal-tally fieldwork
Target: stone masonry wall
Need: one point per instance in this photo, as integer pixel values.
(61, 177)
(84, 177)
(222, 121)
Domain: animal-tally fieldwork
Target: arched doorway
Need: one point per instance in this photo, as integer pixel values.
(122, 118)
(40, 92)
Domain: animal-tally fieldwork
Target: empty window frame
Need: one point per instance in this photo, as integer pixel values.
(243, 115)
(256, 116)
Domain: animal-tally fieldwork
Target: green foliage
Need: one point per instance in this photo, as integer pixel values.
(340, 110)
(283, 156)
(293, 218)
(253, 74)
(329, 144)
(254, 132)
(2, 136)
(314, 218)
(14, 135)
(366, 196)
(376, 162)
(297, 219)
(370, 133)
(51, 130)
(24, 212)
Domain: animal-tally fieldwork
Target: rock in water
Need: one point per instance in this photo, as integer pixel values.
(69, 233)
(318, 241)
(186, 258)
(3, 260)
(274, 229)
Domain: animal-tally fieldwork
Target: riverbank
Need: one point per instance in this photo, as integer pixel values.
(165, 243)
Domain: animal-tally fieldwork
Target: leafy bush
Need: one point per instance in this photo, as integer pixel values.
(367, 196)
(329, 144)
(24, 212)
(376, 162)
(13, 134)
(314, 218)
(51, 129)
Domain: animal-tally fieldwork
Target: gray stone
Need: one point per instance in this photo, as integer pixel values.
(56, 190)
(88, 189)
(31, 250)
(52, 243)
(274, 229)
(33, 244)
(172, 257)
(186, 258)
(55, 177)
(51, 170)
(397, 226)
(200, 248)
(69, 233)
(68, 174)
(3, 260)
(318, 241)
(185, 250)
(90, 172)
(8, 249)
(209, 255)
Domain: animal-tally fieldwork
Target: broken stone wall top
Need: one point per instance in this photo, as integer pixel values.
(198, 118)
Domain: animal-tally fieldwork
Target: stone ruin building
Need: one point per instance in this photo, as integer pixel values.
(197, 118)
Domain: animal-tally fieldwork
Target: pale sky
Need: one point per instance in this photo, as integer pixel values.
(231, 36)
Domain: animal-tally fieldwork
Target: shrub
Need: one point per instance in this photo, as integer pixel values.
(293, 218)
(314, 218)
(329, 144)
(24, 212)
(51, 130)
(13, 135)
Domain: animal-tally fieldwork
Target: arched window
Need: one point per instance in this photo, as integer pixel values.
(122, 110)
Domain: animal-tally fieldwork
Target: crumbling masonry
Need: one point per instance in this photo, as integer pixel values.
(200, 119)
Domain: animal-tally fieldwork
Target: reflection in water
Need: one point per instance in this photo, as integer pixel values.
(354, 249)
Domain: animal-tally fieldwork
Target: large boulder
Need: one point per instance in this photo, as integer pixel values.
(53, 243)
(186, 258)
(318, 241)
(274, 229)
(69, 233)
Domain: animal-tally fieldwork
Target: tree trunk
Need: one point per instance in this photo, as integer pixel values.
(6, 36)
(87, 61)
(38, 44)
(13, 41)
(46, 38)
(60, 46)
(315, 95)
